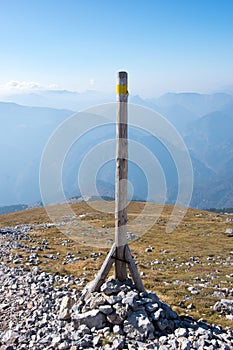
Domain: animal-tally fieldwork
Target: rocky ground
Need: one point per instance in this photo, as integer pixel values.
(44, 311)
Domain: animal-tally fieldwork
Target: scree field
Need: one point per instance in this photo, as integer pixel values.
(189, 268)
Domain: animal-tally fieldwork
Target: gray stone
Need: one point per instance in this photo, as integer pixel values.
(184, 344)
(118, 343)
(163, 340)
(138, 322)
(111, 287)
(96, 340)
(130, 299)
(190, 306)
(181, 332)
(66, 306)
(113, 299)
(96, 300)
(4, 306)
(229, 230)
(193, 290)
(84, 343)
(151, 307)
(9, 335)
(93, 318)
(117, 329)
(84, 329)
(115, 318)
(56, 341)
(149, 250)
(154, 297)
(106, 309)
(162, 324)
(224, 306)
(64, 346)
(158, 314)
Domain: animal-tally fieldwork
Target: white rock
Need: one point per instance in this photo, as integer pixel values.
(93, 318)
(66, 306)
(181, 332)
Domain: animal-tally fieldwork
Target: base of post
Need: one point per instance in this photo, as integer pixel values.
(111, 258)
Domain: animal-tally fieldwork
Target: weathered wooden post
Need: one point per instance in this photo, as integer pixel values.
(120, 252)
(121, 187)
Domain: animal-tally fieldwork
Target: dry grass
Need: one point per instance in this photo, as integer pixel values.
(198, 248)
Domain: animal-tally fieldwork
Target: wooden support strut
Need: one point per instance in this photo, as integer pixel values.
(120, 252)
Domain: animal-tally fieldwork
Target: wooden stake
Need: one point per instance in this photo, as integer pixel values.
(120, 252)
(121, 190)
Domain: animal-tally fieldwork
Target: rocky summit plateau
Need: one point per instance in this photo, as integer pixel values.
(40, 310)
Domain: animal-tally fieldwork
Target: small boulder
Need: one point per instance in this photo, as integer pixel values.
(92, 319)
(65, 310)
(224, 306)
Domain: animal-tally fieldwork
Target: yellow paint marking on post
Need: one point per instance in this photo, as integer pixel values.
(121, 89)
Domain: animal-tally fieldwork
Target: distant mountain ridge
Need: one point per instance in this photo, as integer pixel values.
(199, 104)
(205, 121)
(12, 208)
(59, 99)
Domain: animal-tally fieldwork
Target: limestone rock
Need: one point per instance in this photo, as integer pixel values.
(106, 309)
(111, 287)
(92, 319)
(66, 306)
(139, 325)
(224, 306)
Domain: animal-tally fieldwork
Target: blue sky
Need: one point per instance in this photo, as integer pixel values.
(165, 45)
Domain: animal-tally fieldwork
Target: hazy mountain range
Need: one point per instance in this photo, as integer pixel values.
(205, 122)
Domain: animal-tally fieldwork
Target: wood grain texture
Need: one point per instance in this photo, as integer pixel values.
(121, 179)
(120, 252)
(103, 272)
(133, 270)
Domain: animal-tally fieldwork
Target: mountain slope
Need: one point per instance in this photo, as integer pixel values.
(25, 131)
(199, 104)
(23, 134)
(211, 140)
